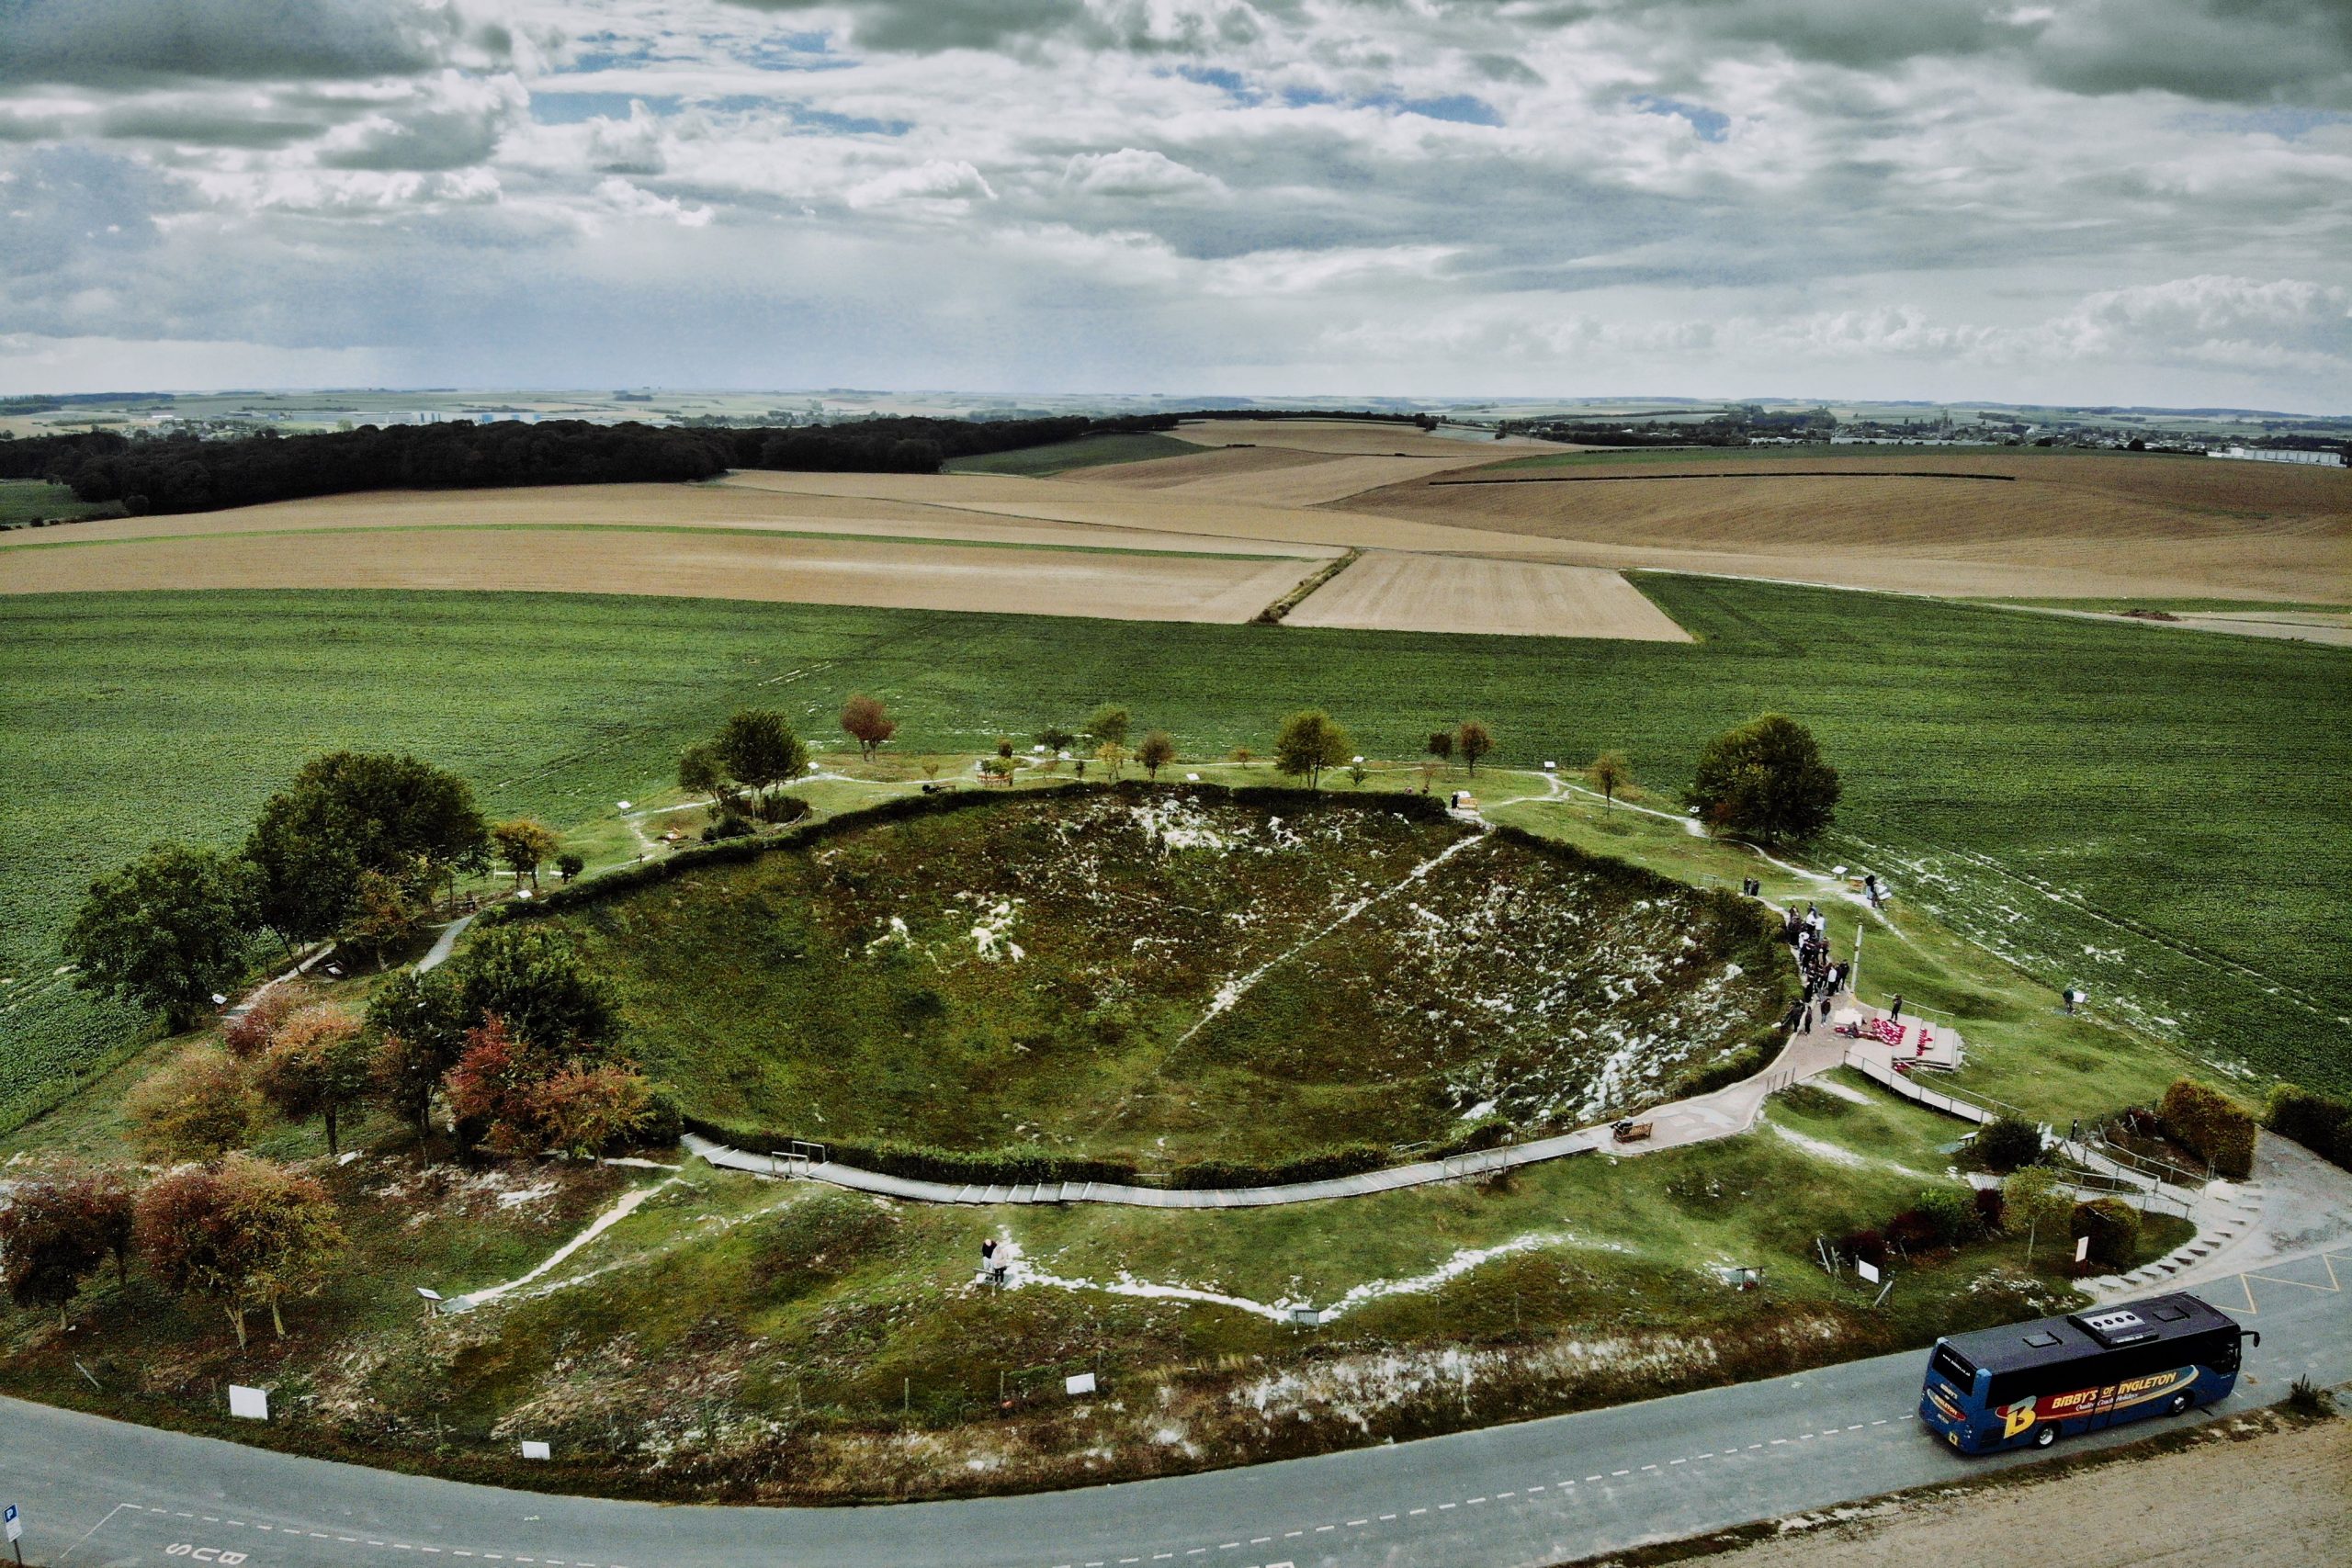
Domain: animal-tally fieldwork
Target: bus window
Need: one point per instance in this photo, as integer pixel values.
(1950, 1365)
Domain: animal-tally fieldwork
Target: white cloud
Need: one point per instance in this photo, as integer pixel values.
(938, 181)
(1135, 172)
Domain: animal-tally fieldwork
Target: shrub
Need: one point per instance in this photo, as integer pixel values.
(569, 864)
(247, 1035)
(198, 1108)
(1992, 1208)
(2210, 1124)
(1864, 1245)
(730, 824)
(2322, 1123)
(2008, 1143)
(1950, 1213)
(2113, 1229)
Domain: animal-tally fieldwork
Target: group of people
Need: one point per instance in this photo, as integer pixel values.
(1824, 976)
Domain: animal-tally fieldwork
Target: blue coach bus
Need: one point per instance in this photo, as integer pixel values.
(2031, 1383)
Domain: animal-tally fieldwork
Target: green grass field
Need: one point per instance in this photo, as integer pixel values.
(25, 501)
(1086, 452)
(2156, 816)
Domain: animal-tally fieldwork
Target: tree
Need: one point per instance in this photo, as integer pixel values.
(248, 1234)
(169, 930)
(700, 771)
(2036, 1199)
(524, 845)
(533, 976)
(1765, 780)
(1610, 773)
(1158, 750)
(198, 1107)
(582, 1110)
(1055, 738)
(1111, 754)
(384, 914)
(759, 750)
(1309, 742)
(1441, 745)
(868, 724)
(1357, 773)
(569, 864)
(1109, 724)
(1473, 740)
(57, 1229)
(2006, 1144)
(246, 1034)
(351, 812)
(418, 1024)
(317, 1065)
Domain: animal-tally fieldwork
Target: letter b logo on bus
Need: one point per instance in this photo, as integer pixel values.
(2017, 1419)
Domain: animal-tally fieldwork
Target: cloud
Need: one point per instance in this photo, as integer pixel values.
(131, 43)
(939, 183)
(1135, 172)
(455, 122)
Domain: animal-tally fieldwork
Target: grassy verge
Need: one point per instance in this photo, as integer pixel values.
(30, 501)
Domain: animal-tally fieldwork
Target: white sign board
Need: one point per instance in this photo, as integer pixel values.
(1866, 1270)
(2082, 1248)
(248, 1403)
(1082, 1383)
(532, 1448)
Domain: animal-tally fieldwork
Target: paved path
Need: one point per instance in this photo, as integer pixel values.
(1720, 1115)
(97, 1493)
(444, 945)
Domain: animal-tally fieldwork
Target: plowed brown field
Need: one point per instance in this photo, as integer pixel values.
(781, 566)
(1357, 438)
(1270, 476)
(1386, 590)
(2043, 525)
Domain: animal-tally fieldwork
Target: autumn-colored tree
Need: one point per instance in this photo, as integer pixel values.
(384, 913)
(490, 1086)
(418, 1022)
(1429, 771)
(1473, 740)
(1441, 745)
(317, 1065)
(1111, 754)
(1157, 750)
(198, 1107)
(524, 845)
(246, 1035)
(248, 1234)
(57, 1227)
(1610, 773)
(582, 1110)
(868, 724)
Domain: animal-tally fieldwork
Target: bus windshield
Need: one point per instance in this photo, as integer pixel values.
(1948, 1363)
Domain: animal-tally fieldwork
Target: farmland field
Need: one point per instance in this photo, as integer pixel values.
(1087, 451)
(2155, 814)
(1167, 979)
(2031, 526)
(27, 501)
(799, 567)
(1387, 591)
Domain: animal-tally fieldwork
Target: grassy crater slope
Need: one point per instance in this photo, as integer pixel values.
(1178, 976)
(2157, 815)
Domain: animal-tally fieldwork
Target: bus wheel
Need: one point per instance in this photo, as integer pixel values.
(2178, 1405)
(2045, 1436)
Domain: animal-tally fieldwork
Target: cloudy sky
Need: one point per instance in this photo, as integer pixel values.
(2145, 202)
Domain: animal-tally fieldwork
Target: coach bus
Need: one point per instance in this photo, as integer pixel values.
(2031, 1383)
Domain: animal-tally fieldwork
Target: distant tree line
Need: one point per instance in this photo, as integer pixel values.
(185, 473)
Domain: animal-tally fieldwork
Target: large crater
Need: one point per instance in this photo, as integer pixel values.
(1176, 975)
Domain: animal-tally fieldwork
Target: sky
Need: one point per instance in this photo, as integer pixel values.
(2085, 201)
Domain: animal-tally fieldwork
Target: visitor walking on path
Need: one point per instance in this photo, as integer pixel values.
(1895, 1012)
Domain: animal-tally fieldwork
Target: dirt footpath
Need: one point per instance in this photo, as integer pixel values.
(2279, 1500)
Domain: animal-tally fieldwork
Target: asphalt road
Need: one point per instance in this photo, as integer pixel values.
(97, 1492)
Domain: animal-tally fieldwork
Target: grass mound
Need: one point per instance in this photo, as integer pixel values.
(1160, 977)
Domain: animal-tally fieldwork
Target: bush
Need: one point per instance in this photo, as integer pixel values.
(1992, 1209)
(2210, 1124)
(1864, 1245)
(198, 1108)
(2322, 1123)
(2006, 1144)
(2113, 1229)
(730, 824)
(1949, 1212)
(247, 1035)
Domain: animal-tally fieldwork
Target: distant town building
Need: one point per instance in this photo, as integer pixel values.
(2280, 455)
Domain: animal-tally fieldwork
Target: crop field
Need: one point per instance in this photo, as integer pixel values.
(1176, 978)
(1387, 591)
(32, 501)
(2038, 526)
(2157, 816)
(1273, 476)
(1086, 452)
(1115, 584)
(1357, 438)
